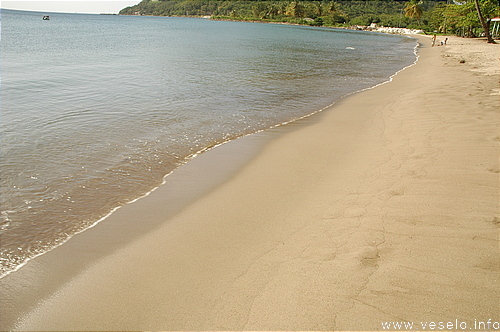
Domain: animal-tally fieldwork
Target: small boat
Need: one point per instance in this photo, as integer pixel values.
(46, 17)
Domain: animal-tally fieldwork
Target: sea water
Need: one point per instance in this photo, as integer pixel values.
(97, 109)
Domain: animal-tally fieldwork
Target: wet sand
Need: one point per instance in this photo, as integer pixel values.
(383, 208)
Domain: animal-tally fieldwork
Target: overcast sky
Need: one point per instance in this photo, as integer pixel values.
(70, 6)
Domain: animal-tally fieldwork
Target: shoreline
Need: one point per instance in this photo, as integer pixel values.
(295, 208)
(208, 148)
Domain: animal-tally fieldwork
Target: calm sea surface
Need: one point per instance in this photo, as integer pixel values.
(97, 109)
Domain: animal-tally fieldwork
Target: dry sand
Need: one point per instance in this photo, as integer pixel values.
(383, 208)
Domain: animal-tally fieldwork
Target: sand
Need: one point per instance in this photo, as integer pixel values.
(383, 208)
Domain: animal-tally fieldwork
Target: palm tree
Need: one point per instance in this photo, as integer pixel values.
(318, 8)
(332, 8)
(486, 26)
(413, 9)
(295, 9)
(273, 10)
(334, 11)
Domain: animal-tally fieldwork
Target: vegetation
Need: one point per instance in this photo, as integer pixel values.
(462, 17)
(413, 9)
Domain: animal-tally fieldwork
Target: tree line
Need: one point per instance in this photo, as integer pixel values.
(461, 17)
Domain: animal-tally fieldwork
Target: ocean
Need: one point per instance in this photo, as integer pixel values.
(96, 110)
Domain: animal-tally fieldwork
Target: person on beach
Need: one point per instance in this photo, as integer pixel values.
(433, 40)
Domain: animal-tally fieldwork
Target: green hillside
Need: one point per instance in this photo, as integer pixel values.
(447, 16)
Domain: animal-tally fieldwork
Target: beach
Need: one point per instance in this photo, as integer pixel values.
(382, 208)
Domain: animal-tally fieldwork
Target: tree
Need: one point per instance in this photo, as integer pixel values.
(413, 9)
(273, 10)
(485, 24)
(317, 8)
(295, 9)
(260, 10)
(464, 18)
(333, 11)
